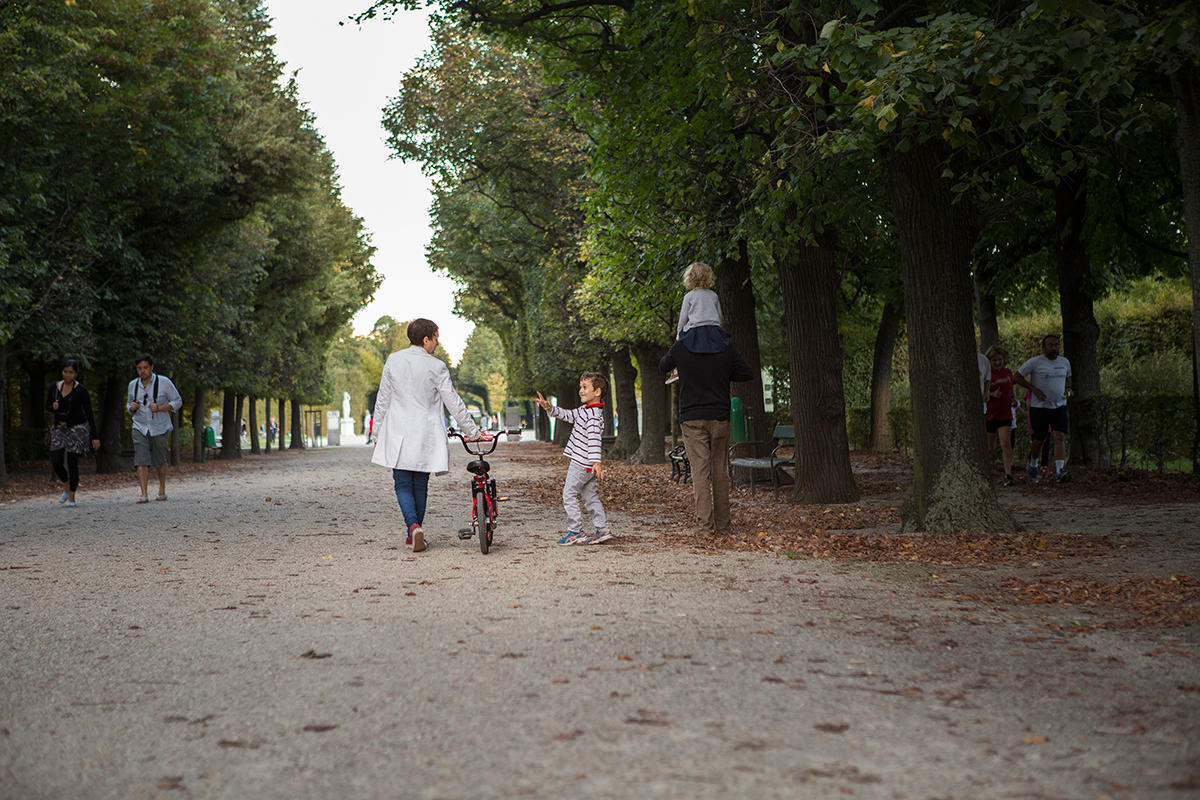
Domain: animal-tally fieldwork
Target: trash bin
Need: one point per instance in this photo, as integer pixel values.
(210, 440)
(737, 420)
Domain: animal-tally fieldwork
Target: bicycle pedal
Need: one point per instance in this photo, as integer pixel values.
(465, 533)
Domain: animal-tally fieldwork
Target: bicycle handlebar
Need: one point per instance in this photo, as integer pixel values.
(466, 443)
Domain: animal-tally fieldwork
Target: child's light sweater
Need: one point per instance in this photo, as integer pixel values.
(583, 446)
(700, 307)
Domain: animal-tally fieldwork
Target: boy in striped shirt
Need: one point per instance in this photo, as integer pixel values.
(584, 471)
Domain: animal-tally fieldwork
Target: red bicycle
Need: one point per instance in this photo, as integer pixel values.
(485, 506)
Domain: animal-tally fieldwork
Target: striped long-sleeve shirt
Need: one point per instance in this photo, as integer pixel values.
(583, 446)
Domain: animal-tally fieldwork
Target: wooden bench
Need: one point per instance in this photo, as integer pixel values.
(776, 464)
(681, 468)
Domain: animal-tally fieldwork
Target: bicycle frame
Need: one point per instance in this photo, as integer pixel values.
(485, 507)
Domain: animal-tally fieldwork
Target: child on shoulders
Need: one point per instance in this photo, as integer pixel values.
(700, 323)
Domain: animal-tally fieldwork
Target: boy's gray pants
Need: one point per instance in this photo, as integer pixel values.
(581, 484)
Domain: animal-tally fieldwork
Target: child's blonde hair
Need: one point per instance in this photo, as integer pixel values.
(698, 275)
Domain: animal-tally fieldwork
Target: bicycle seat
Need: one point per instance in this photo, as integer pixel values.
(479, 467)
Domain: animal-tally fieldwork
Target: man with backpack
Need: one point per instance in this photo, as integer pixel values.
(153, 399)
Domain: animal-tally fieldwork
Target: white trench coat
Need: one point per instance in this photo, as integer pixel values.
(410, 427)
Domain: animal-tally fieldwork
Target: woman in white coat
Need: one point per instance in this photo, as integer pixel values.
(410, 428)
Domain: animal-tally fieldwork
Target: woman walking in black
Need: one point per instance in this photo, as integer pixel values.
(73, 424)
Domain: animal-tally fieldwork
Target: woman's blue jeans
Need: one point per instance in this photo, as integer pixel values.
(412, 490)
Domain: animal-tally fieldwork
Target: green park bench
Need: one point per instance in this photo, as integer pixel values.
(210, 443)
(779, 468)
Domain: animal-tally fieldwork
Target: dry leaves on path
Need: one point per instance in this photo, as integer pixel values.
(867, 532)
(1143, 600)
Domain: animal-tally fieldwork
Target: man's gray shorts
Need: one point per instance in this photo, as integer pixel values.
(149, 451)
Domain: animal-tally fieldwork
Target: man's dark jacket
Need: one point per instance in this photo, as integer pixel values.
(704, 380)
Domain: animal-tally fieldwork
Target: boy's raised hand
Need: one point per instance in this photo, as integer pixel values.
(543, 403)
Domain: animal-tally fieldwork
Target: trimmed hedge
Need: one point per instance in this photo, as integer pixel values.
(1148, 431)
(1151, 430)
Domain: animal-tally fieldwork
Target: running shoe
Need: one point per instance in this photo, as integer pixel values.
(64, 497)
(69, 504)
(599, 536)
(1062, 477)
(1032, 472)
(1008, 481)
(573, 537)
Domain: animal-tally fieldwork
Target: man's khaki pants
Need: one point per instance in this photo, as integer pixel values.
(707, 445)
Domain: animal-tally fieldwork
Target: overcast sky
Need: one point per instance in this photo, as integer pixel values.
(346, 76)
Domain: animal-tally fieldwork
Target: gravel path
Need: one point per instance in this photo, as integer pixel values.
(264, 633)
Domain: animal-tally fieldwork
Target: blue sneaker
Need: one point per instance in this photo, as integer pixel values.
(599, 536)
(1032, 471)
(573, 537)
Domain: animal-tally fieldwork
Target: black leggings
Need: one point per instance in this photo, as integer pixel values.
(68, 474)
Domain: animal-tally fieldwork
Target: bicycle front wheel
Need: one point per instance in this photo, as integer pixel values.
(487, 523)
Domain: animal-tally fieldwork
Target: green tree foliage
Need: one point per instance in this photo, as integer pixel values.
(483, 369)
(162, 189)
(905, 144)
(508, 171)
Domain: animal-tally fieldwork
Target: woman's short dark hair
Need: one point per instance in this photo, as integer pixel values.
(149, 359)
(421, 329)
(72, 363)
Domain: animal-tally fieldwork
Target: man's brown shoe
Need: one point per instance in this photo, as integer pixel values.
(418, 537)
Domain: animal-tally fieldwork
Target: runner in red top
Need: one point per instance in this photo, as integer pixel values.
(1000, 408)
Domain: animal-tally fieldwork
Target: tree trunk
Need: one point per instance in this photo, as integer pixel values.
(951, 490)
(199, 397)
(625, 393)
(541, 425)
(297, 427)
(112, 411)
(568, 397)
(880, 439)
(651, 449)
(810, 283)
(267, 424)
(609, 406)
(283, 418)
(33, 411)
(239, 415)
(1185, 85)
(3, 414)
(173, 443)
(1080, 330)
(669, 410)
(737, 304)
(985, 308)
(229, 426)
(255, 446)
